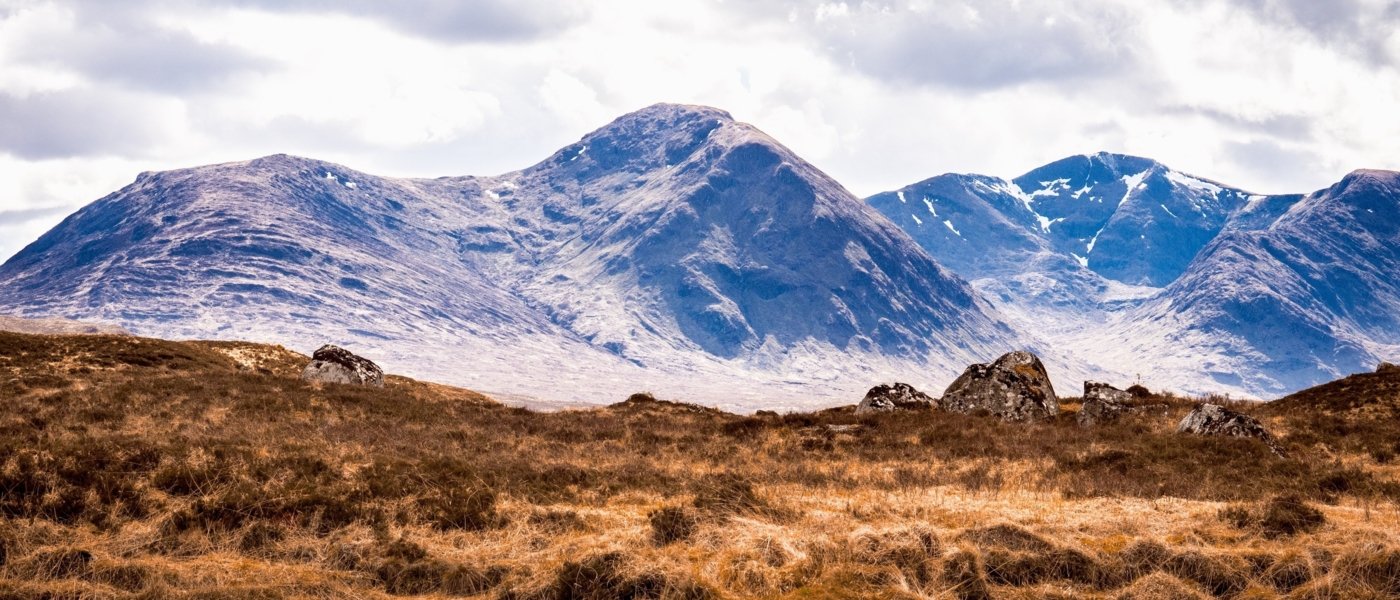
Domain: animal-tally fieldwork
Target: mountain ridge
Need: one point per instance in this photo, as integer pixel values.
(671, 241)
(1204, 318)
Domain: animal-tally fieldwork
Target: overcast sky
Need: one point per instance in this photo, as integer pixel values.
(1269, 95)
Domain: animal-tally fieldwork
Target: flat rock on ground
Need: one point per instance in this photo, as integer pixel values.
(1213, 419)
(899, 396)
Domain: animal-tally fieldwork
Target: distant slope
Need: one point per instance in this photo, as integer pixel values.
(673, 249)
(1376, 393)
(57, 326)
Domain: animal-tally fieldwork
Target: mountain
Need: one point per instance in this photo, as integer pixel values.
(1124, 218)
(1129, 219)
(1144, 271)
(674, 248)
(1308, 298)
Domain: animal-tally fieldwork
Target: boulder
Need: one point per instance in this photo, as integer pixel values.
(900, 396)
(1386, 367)
(333, 364)
(1213, 419)
(1015, 387)
(1104, 403)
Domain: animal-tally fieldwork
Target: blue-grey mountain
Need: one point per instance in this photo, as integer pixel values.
(1185, 282)
(673, 242)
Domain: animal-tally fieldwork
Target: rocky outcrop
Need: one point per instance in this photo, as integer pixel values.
(1213, 419)
(900, 396)
(1015, 387)
(1104, 403)
(1386, 367)
(333, 364)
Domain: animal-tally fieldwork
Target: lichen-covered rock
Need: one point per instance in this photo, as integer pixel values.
(1213, 419)
(900, 396)
(1104, 403)
(333, 364)
(1015, 387)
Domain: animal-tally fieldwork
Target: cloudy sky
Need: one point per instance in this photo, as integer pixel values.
(1269, 95)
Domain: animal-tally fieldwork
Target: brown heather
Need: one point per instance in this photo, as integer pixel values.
(138, 468)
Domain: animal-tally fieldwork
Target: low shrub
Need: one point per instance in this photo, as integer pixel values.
(962, 576)
(606, 577)
(465, 508)
(729, 494)
(672, 524)
(1215, 574)
(1280, 516)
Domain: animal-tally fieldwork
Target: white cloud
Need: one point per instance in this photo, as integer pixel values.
(1270, 95)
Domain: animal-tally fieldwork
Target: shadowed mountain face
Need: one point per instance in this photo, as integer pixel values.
(1125, 218)
(1143, 270)
(671, 240)
(1314, 292)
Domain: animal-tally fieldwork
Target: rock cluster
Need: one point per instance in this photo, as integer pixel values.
(900, 396)
(1386, 367)
(1015, 387)
(333, 364)
(1104, 403)
(1213, 419)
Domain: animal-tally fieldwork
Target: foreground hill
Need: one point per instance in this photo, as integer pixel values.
(142, 468)
(671, 243)
(1145, 271)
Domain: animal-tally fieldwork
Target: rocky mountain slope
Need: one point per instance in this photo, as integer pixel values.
(674, 249)
(1190, 284)
(1310, 297)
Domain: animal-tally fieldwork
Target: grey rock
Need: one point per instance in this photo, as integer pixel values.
(1104, 403)
(1015, 387)
(900, 396)
(1213, 419)
(333, 364)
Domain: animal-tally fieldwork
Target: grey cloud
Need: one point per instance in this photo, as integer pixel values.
(148, 58)
(446, 20)
(1357, 27)
(25, 215)
(974, 45)
(1290, 169)
(1294, 127)
(120, 43)
(75, 123)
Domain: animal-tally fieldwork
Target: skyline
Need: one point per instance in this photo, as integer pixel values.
(1270, 96)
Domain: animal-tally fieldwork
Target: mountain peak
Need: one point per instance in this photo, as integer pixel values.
(1370, 177)
(658, 136)
(673, 111)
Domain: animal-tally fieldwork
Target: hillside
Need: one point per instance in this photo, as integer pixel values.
(670, 246)
(141, 468)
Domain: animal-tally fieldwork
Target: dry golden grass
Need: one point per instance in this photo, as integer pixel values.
(137, 468)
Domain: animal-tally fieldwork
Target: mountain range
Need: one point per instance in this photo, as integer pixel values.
(1185, 282)
(679, 251)
(674, 249)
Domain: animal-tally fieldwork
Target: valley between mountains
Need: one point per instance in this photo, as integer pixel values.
(680, 251)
